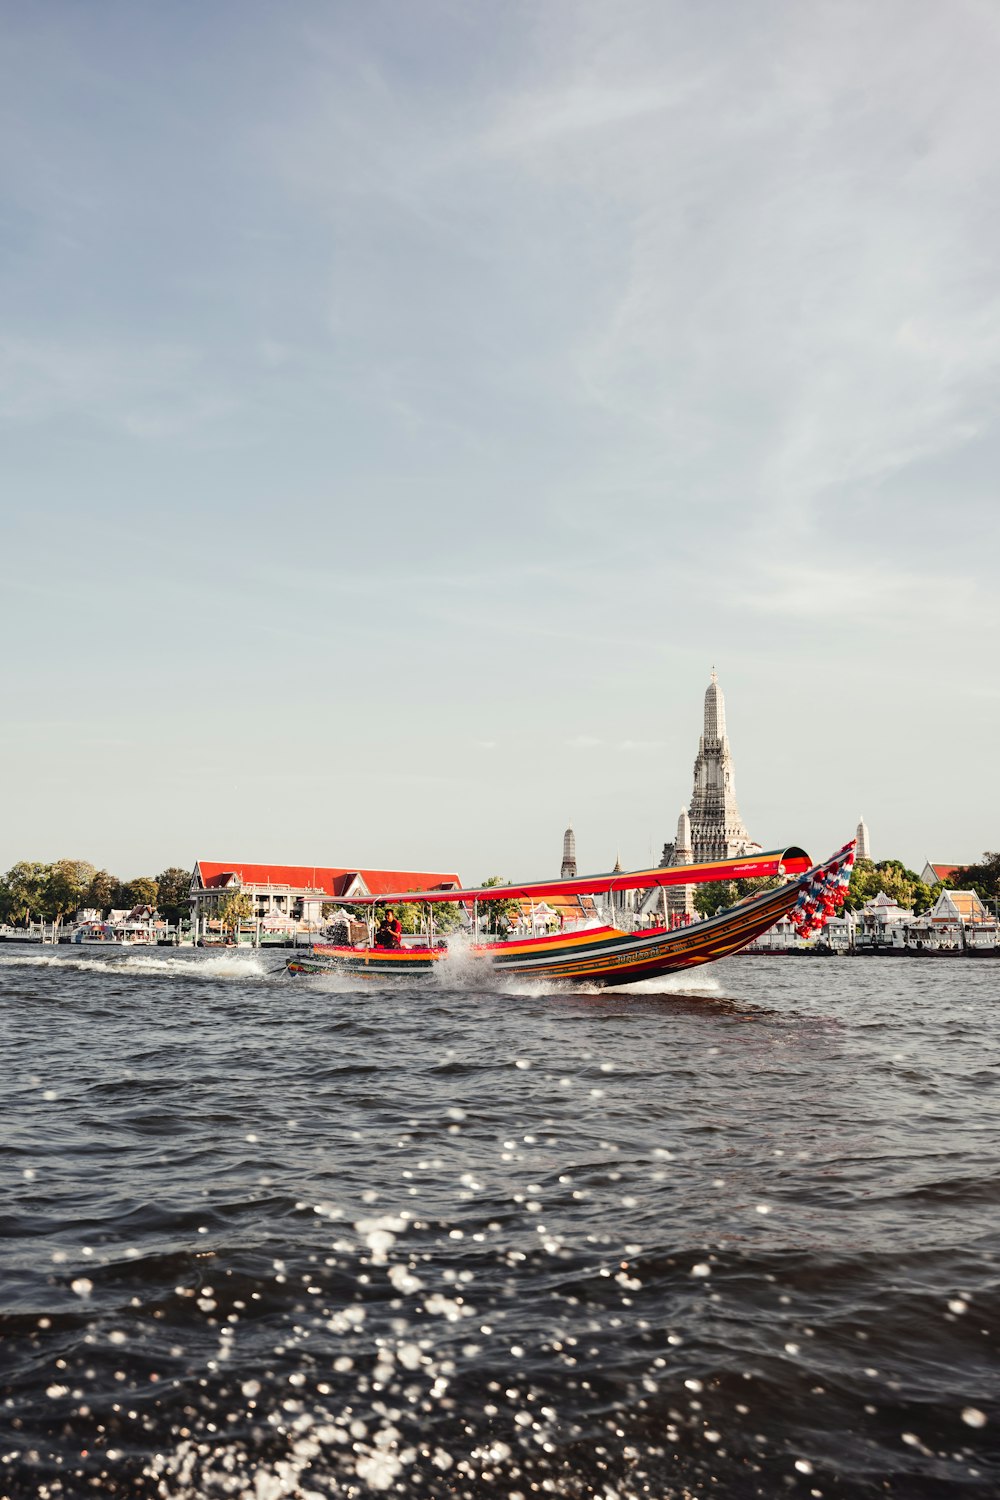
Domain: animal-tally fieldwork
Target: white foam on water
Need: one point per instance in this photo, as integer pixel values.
(684, 983)
(669, 984)
(228, 966)
(235, 966)
(463, 967)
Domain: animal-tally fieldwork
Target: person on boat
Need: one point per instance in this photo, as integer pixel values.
(390, 932)
(385, 937)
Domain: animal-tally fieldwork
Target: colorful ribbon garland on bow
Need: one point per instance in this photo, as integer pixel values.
(824, 893)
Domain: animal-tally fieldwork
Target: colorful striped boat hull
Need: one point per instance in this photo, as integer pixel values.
(599, 956)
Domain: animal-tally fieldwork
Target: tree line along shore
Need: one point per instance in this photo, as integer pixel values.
(31, 891)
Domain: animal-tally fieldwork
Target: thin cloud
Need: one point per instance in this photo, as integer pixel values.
(866, 594)
(149, 392)
(546, 118)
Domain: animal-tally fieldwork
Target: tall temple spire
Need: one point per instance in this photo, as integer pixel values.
(863, 848)
(715, 710)
(568, 870)
(717, 830)
(682, 846)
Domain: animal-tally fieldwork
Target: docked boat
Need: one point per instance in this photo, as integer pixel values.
(94, 934)
(606, 953)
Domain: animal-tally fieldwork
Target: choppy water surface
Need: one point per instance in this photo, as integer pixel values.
(267, 1238)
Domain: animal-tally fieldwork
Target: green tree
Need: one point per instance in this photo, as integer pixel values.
(923, 896)
(24, 891)
(864, 884)
(720, 895)
(891, 877)
(447, 916)
(413, 916)
(141, 891)
(714, 896)
(103, 891)
(236, 908)
(173, 889)
(66, 886)
(497, 914)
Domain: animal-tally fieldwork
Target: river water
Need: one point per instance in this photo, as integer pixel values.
(269, 1238)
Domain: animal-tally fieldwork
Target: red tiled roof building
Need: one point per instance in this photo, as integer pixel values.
(299, 892)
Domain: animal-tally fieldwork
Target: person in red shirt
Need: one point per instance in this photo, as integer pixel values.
(396, 928)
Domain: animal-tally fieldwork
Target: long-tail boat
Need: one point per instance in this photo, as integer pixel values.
(608, 953)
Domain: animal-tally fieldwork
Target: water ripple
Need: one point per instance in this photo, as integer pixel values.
(263, 1239)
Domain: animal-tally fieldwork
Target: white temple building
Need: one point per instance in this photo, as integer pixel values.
(682, 844)
(680, 898)
(711, 827)
(717, 830)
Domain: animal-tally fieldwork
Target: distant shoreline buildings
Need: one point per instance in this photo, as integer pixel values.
(959, 923)
(289, 895)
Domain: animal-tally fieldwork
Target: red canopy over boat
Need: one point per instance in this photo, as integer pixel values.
(791, 861)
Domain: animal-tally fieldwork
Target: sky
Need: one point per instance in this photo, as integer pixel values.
(403, 407)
